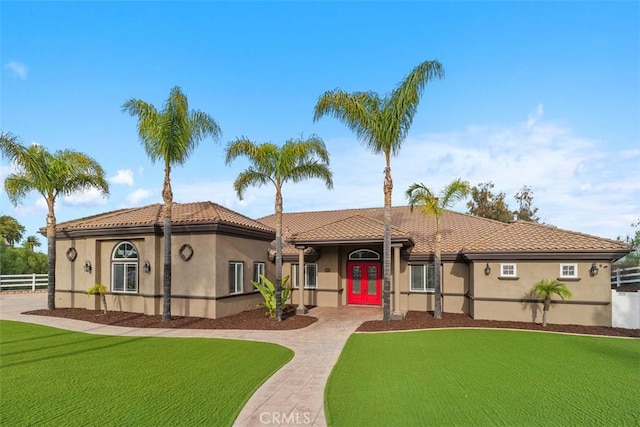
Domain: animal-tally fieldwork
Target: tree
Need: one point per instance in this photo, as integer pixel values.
(435, 205)
(544, 290)
(50, 174)
(381, 124)
(526, 211)
(633, 258)
(296, 160)
(30, 243)
(99, 289)
(170, 135)
(11, 230)
(484, 203)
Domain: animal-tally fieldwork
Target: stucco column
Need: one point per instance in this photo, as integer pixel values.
(301, 308)
(397, 314)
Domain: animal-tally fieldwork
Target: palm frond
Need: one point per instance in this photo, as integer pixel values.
(248, 178)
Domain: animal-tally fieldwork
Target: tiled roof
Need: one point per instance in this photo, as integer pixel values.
(352, 228)
(460, 232)
(181, 213)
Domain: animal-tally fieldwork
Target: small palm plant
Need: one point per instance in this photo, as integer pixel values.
(99, 289)
(268, 291)
(544, 290)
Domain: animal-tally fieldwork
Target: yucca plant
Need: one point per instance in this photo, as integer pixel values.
(268, 291)
(99, 289)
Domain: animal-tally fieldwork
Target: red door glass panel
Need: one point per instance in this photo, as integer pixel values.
(364, 283)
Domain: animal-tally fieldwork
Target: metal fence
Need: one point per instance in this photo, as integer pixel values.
(23, 282)
(625, 276)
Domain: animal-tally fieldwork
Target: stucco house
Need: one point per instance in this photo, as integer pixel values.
(488, 267)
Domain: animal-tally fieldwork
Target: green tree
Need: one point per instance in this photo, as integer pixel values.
(170, 136)
(30, 243)
(432, 204)
(526, 211)
(632, 258)
(545, 290)
(484, 203)
(295, 161)
(50, 174)
(11, 230)
(381, 124)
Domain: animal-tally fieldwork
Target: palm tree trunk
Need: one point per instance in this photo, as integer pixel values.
(103, 297)
(437, 288)
(545, 310)
(278, 284)
(386, 244)
(167, 196)
(51, 260)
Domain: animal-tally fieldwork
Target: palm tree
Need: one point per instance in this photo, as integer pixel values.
(30, 243)
(170, 135)
(435, 205)
(296, 160)
(381, 123)
(62, 173)
(544, 290)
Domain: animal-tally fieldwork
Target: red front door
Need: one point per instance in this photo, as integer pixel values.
(363, 283)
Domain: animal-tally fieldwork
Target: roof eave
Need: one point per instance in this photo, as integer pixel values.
(551, 255)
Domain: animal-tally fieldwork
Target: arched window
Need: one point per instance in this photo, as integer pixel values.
(124, 268)
(363, 254)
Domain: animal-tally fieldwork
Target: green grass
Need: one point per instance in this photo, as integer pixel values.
(484, 377)
(51, 376)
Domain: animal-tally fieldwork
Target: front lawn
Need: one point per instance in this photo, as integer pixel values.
(484, 377)
(51, 376)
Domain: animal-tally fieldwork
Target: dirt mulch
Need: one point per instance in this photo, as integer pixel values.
(252, 320)
(425, 320)
(257, 320)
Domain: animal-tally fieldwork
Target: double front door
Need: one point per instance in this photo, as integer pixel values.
(364, 283)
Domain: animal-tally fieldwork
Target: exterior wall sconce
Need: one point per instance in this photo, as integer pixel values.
(487, 270)
(593, 270)
(87, 266)
(147, 266)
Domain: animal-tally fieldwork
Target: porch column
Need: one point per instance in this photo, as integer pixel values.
(301, 308)
(396, 314)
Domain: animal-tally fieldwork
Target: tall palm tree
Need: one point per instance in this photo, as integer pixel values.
(544, 290)
(435, 205)
(296, 160)
(51, 174)
(170, 135)
(381, 124)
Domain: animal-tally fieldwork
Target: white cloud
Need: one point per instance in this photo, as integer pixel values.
(90, 197)
(123, 176)
(17, 69)
(135, 197)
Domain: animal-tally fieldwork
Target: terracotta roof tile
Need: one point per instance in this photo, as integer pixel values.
(181, 213)
(356, 227)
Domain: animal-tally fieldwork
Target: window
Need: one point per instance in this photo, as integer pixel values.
(310, 275)
(258, 269)
(422, 277)
(569, 270)
(235, 277)
(508, 270)
(124, 268)
(363, 254)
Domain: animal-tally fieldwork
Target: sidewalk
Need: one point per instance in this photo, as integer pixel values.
(293, 396)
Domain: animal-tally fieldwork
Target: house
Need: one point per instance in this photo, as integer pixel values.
(488, 267)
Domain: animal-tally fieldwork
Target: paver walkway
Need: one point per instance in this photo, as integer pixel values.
(292, 396)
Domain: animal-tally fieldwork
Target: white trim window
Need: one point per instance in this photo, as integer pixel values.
(236, 277)
(124, 268)
(508, 270)
(569, 271)
(310, 275)
(258, 269)
(421, 277)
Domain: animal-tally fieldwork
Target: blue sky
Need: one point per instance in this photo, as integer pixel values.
(545, 94)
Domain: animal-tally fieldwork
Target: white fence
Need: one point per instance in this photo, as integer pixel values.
(625, 276)
(625, 309)
(23, 282)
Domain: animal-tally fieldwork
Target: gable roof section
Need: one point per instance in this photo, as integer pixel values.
(185, 217)
(352, 229)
